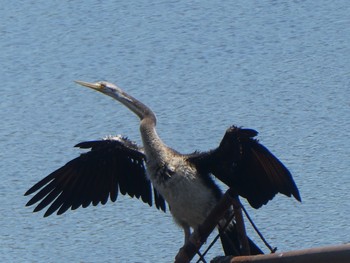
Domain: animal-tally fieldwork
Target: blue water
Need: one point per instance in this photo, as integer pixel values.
(281, 67)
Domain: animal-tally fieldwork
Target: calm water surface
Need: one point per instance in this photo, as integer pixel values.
(280, 67)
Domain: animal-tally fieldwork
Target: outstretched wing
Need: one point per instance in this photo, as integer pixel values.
(248, 167)
(112, 165)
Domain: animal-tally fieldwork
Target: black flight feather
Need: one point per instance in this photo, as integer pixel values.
(112, 165)
(248, 167)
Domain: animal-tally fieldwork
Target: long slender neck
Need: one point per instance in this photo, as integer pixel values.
(154, 146)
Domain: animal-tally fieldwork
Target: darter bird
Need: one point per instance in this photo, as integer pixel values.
(156, 173)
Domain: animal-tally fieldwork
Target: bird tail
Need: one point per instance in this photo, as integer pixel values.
(232, 245)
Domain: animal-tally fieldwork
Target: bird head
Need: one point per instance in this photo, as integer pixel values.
(118, 94)
(106, 88)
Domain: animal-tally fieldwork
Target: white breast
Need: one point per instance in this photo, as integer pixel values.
(190, 200)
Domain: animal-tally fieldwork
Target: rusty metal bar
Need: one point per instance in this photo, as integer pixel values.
(334, 254)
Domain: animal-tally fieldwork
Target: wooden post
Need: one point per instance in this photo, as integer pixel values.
(198, 237)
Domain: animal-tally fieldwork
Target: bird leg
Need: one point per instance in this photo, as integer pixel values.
(187, 232)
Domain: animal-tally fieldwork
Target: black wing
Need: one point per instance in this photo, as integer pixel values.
(248, 167)
(112, 165)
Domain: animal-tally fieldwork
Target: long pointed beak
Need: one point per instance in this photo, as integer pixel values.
(95, 86)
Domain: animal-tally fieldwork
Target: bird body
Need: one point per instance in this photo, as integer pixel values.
(189, 198)
(184, 181)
